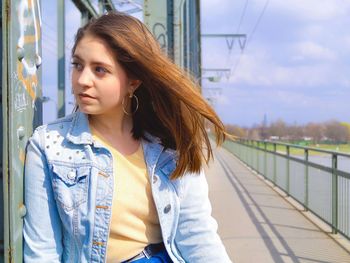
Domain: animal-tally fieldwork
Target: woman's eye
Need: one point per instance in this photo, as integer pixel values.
(101, 70)
(77, 66)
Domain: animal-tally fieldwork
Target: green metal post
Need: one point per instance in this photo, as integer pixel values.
(21, 111)
(334, 194)
(265, 159)
(288, 170)
(61, 57)
(257, 157)
(306, 178)
(274, 164)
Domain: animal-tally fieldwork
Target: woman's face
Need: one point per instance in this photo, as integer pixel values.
(98, 80)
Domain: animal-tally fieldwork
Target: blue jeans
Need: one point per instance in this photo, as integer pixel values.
(160, 257)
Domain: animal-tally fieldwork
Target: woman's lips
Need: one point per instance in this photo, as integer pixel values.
(86, 97)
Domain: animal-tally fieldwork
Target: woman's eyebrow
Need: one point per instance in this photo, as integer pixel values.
(93, 62)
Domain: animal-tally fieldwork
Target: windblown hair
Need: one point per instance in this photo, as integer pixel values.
(170, 104)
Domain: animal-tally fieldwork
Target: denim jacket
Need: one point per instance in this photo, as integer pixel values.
(69, 193)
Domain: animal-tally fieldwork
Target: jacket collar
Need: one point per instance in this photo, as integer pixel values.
(79, 133)
(79, 130)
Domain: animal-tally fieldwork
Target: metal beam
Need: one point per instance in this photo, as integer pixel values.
(223, 35)
(217, 69)
(107, 5)
(61, 58)
(85, 6)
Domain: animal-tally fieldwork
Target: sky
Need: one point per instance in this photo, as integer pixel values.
(295, 65)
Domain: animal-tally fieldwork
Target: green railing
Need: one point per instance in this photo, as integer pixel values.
(318, 179)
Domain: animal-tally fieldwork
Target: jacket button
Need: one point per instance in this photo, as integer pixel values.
(155, 179)
(71, 175)
(167, 209)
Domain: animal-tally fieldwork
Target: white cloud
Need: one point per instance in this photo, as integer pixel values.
(260, 70)
(315, 10)
(309, 50)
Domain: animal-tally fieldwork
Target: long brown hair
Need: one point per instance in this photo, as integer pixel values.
(170, 104)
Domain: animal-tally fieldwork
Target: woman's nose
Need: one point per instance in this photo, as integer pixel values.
(85, 77)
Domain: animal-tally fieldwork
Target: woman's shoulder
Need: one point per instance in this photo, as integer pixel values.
(59, 126)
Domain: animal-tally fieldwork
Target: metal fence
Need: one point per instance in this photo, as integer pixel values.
(317, 179)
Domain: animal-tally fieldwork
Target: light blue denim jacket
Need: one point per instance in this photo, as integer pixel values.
(69, 193)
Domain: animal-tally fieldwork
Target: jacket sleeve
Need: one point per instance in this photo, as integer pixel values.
(196, 236)
(42, 225)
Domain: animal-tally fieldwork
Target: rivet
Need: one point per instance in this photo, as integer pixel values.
(47, 146)
(167, 209)
(20, 132)
(70, 157)
(155, 179)
(83, 158)
(54, 142)
(58, 136)
(48, 136)
(77, 152)
(22, 211)
(20, 53)
(58, 153)
(37, 61)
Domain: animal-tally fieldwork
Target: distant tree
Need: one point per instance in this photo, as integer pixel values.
(347, 126)
(315, 131)
(295, 132)
(278, 128)
(335, 131)
(235, 130)
(254, 134)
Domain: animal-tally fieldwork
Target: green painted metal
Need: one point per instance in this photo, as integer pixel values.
(155, 18)
(61, 96)
(179, 30)
(274, 164)
(196, 44)
(288, 169)
(1, 160)
(265, 159)
(176, 26)
(334, 194)
(306, 178)
(332, 208)
(105, 5)
(21, 109)
(86, 8)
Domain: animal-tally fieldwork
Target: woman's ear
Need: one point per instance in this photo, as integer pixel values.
(134, 84)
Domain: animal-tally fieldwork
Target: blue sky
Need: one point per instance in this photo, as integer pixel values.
(294, 67)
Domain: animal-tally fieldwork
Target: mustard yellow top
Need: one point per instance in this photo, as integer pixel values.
(134, 222)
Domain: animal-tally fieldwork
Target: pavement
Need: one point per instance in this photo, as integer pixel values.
(257, 224)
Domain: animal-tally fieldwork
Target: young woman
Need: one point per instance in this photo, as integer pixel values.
(120, 180)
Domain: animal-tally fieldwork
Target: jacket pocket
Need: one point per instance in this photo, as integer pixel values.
(70, 185)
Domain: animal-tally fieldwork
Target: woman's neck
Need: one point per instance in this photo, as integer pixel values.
(115, 131)
(111, 124)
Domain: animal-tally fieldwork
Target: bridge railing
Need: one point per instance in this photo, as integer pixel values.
(318, 179)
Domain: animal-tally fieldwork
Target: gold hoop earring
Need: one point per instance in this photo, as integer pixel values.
(131, 96)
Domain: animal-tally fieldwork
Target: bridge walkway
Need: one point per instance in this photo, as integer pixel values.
(257, 224)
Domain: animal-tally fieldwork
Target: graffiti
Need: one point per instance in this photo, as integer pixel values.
(25, 79)
(21, 102)
(159, 32)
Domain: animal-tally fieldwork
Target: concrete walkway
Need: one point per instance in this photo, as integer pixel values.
(257, 225)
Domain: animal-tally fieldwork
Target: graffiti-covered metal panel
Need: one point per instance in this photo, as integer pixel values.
(155, 17)
(22, 109)
(176, 26)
